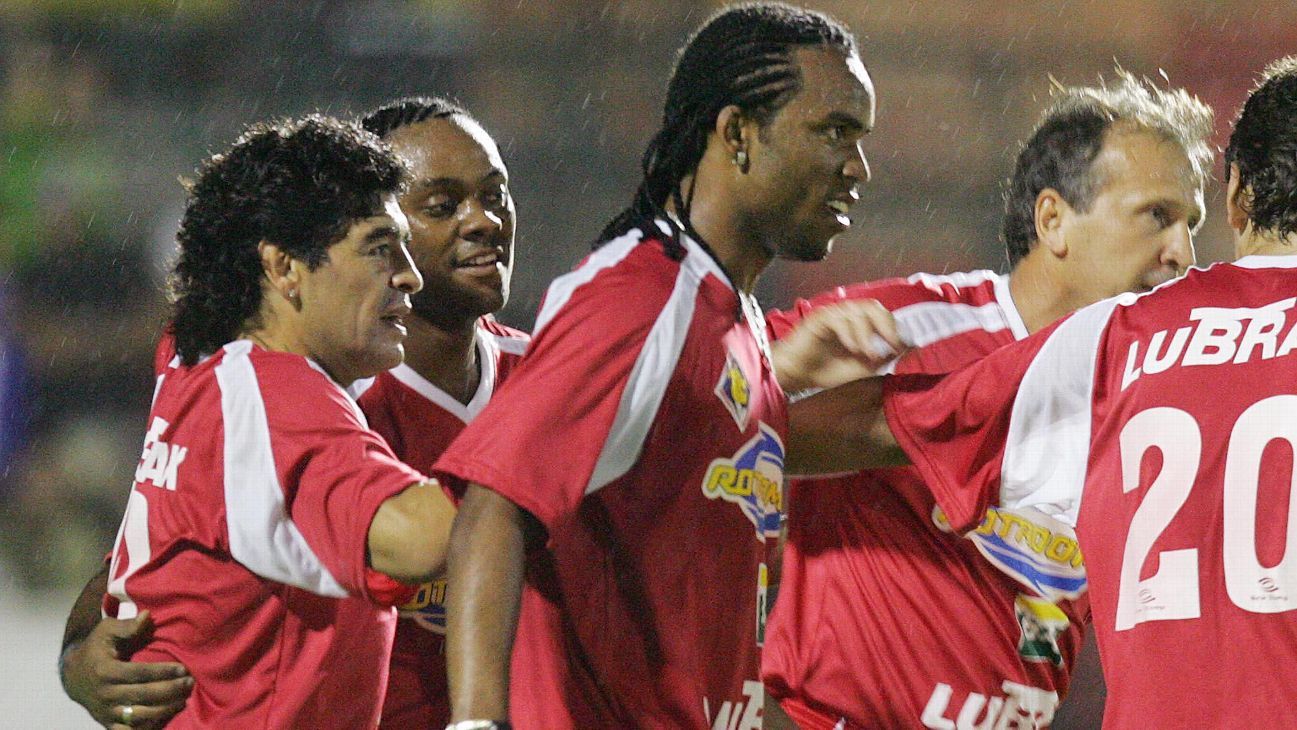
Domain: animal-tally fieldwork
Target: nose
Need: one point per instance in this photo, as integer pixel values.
(477, 222)
(1178, 251)
(857, 167)
(405, 276)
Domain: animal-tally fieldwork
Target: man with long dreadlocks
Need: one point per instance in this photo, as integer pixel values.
(625, 483)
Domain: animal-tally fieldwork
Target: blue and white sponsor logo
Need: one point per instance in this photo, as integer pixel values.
(753, 479)
(1031, 547)
(428, 607)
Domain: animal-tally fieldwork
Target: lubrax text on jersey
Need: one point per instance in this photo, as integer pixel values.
(1215, 336)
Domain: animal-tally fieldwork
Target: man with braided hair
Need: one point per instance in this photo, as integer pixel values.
(628, 477)
(461, 224)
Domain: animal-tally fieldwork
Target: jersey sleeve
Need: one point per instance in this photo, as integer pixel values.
(333, 474)
(1012, 428)
(540, 438)
(891, 293)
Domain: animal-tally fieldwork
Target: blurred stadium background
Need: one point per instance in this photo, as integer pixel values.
(105, 104)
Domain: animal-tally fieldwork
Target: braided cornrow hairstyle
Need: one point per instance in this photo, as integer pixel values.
(409, 110)
(741, 56)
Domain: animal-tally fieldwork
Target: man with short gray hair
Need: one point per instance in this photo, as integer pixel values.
(1104, 198)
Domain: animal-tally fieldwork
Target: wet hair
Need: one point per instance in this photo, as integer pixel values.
(1061, 151)
(741, 56)
(1264, 146)
(410, 110)
(299, 184)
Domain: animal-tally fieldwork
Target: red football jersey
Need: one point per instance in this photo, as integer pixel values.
(1163, 426)
(645, 430)
(245, 537)
(989, 629)
(419, 420)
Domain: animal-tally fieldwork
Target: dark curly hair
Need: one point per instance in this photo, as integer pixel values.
(742, 56)
(1264, 146)
(410, 110)
(1061, 150)
(297, 183)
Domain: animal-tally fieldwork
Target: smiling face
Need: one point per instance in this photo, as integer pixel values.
(808, 161)
(461, 218)
(353, 304)
(1138, 231)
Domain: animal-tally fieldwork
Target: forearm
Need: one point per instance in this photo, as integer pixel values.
(86, 611)
(487, 557)
(840, 430)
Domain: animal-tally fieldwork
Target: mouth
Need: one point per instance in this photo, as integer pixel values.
(840, 206)
(395, 318)
(481, 261)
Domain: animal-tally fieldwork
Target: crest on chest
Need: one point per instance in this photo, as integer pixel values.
(735, 390)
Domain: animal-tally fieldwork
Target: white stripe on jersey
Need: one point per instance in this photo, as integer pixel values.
(511, 345)
(922, 324)
(561, 289)
(1047, 450)
(652, 370)
(926, 323)
(262, 536)
(959, 279)
(487, 358)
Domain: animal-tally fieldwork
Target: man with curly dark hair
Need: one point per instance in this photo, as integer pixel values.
(269, 530)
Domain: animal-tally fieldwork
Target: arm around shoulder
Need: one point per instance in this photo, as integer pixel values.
(97, 672)
(840, 430)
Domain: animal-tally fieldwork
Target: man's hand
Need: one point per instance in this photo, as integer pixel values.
(835, 345)
(97, 673)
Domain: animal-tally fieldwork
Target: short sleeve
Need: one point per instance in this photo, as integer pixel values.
(543, 440)
(346, 475)
(1013, 428)
(954, 427)
(303, 475)
(891, 293)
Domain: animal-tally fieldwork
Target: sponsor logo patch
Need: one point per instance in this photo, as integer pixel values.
(1031, 547)
(1042, 623)
(734, 391)
(753, 480)
(428, 607)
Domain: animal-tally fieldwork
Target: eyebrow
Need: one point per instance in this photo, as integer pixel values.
(381, 232)
(442, 182)
(1193, 213)
(846, 119)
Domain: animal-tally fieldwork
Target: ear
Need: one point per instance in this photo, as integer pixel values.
(1050, 214)
(1238, 201)
(282, 270)
(735, 131)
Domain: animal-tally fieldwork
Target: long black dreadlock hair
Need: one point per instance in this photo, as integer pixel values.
(741, 56)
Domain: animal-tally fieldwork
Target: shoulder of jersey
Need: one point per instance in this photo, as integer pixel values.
(616, 277)
(510, 341)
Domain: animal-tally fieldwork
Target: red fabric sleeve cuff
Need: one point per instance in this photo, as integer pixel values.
(386, 590)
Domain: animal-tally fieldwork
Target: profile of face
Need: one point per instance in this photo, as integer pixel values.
(1138, 230)
(808, 163)
(353, 305)
(461, 218)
